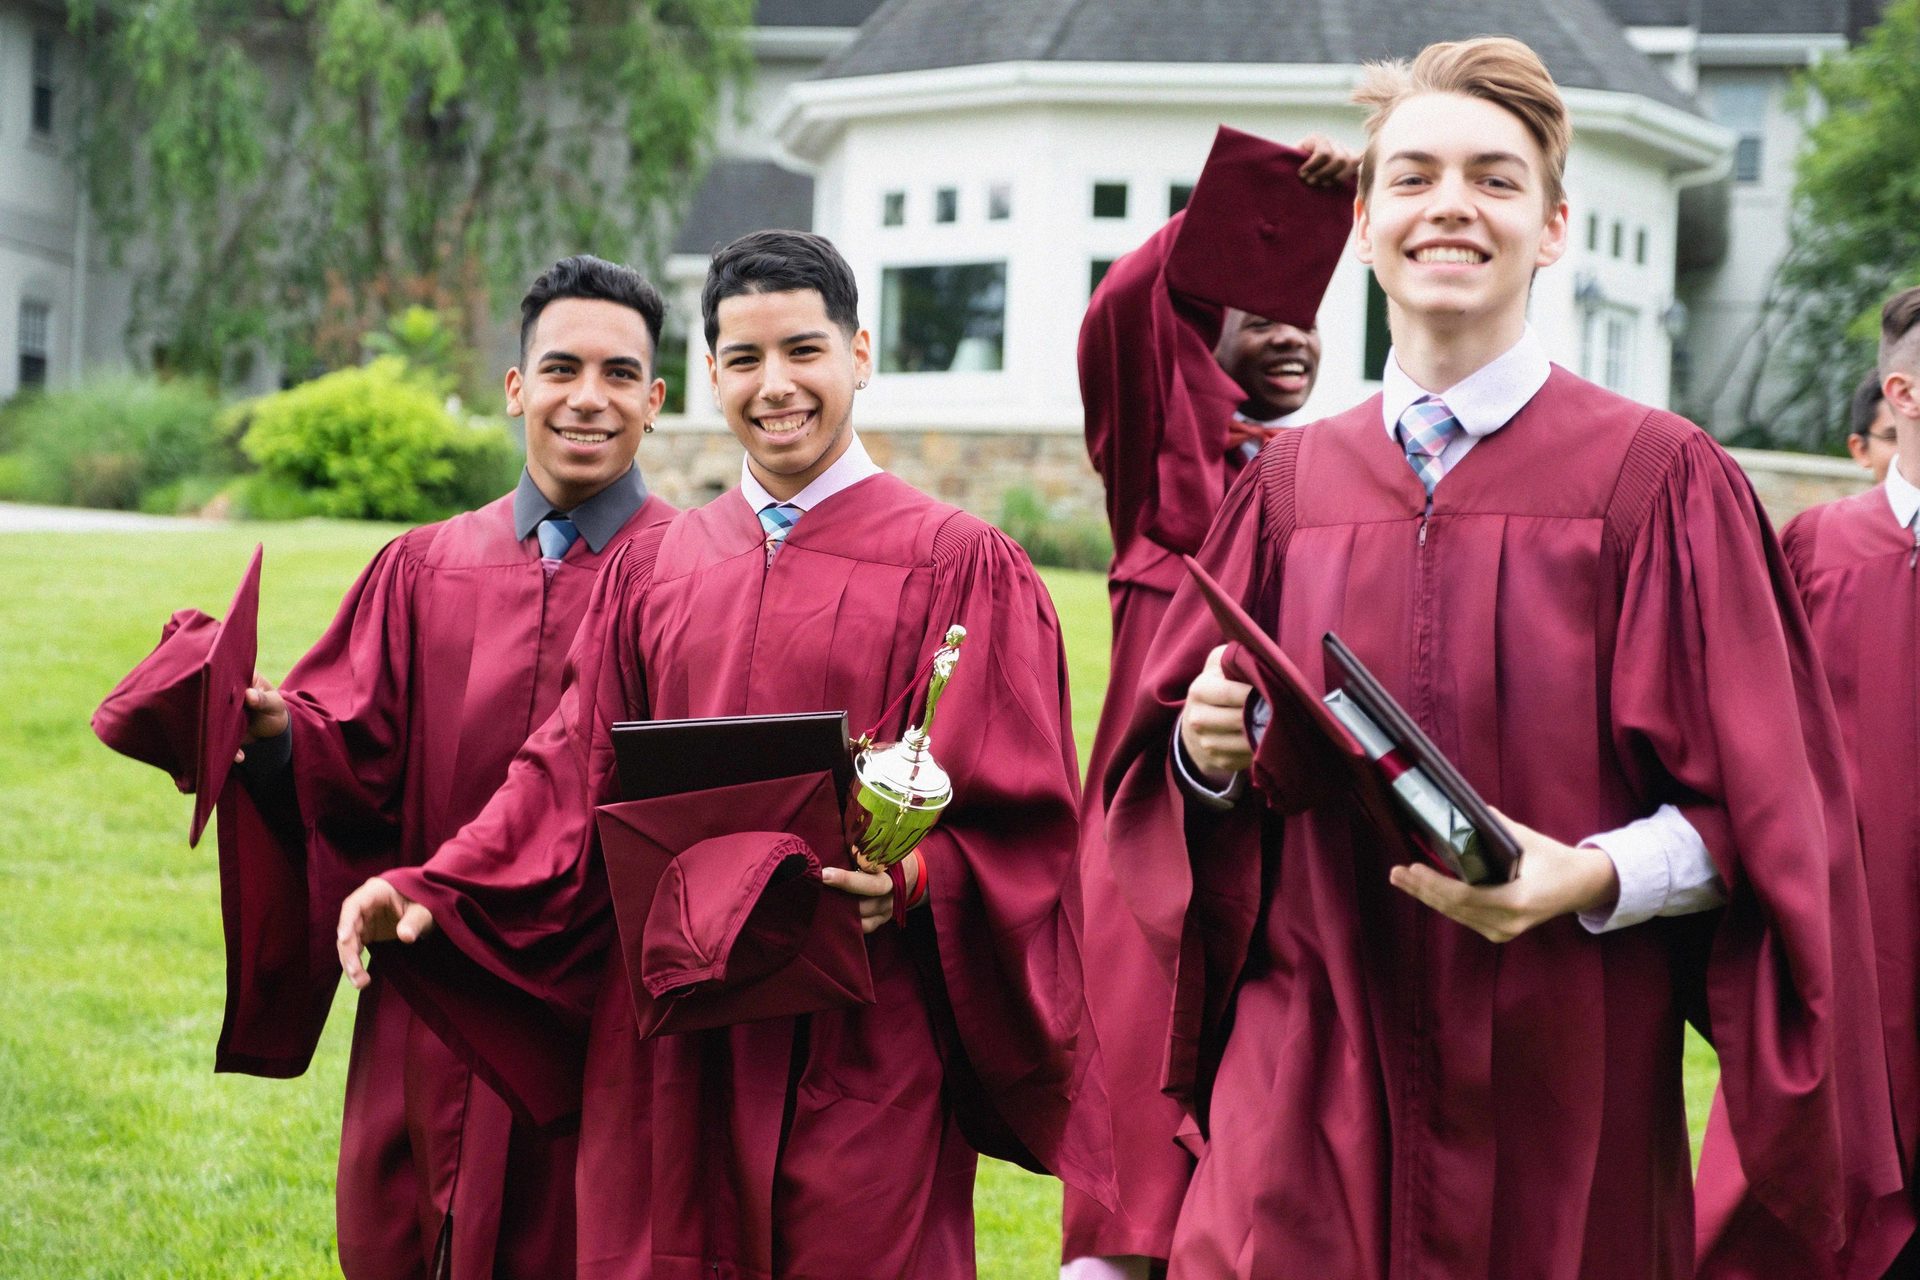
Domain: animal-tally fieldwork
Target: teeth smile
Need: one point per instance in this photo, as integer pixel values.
(1447, 253)
(584, 437)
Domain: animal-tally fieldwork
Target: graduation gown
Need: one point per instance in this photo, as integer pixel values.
(446, 653)
(840, 1144)
(1161, 432)
(1593, 620)
(1855, 569)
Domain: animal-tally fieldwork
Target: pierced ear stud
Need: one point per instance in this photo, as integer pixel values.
(646, 428)
(860, 385)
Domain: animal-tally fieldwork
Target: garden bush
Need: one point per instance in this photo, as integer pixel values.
(121, 442)
(1055, 539)
(375, 442)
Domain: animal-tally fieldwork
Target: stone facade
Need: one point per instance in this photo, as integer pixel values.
(688, 463)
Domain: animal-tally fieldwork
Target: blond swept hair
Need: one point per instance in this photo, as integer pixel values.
(1496, 69)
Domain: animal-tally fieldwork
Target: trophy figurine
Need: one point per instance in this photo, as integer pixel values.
(898, 789)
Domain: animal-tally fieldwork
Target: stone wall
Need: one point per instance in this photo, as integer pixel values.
(690, 463)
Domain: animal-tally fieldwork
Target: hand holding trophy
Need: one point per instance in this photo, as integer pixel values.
(899, 790)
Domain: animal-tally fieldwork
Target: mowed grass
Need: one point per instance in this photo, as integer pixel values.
(121, 1153)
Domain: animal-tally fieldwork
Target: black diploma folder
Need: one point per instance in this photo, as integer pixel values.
(670, 757)
(1401, 781)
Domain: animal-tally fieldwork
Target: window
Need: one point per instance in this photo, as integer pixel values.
(1619, 238)
(41, 111)
(1593, 233)
(1109, 199)
(946, 205)
(34, 323)
(1177, 196)
(1640, 247)
(1096, 272)
(999, 202)
(1742, 107)
(943, 319)
(1374, 358)
(893, 209)
(1606, 346)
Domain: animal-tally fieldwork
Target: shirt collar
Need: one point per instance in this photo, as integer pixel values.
(1902, 494)
(597, 519)
(849, 469)
(1483, 401)
(1294, 419)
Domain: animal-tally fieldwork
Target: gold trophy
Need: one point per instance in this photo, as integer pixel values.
(899, 791)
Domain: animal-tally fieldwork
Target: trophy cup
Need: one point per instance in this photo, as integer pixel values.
(898, 789)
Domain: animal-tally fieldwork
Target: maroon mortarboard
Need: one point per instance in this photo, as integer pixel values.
(722, 915)
(183, 708)
(1257, 238)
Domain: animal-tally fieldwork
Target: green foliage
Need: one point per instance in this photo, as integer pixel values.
(1856, 231)
(1052, 538)
(114, 441)
(303, 169)
(424, 340)
(375, 443)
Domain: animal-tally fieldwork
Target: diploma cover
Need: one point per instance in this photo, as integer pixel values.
(1405, 785)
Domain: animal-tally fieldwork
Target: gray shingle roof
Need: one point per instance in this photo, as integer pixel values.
(813, 13)
(1742, 17)
(741, 196)
(1581, 42)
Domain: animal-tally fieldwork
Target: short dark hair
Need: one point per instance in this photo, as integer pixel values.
(777, 262)
(1866, 403)
(585, 276)
(1900, 328)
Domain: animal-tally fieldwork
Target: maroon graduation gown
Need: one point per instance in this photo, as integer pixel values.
(1162, 434)
(1856, 571)
(446, 653)
(840, 1144)
(1593, 621)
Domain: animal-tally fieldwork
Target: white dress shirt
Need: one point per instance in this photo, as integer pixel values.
(849, 469)
(1662, 864)
(1902, 496)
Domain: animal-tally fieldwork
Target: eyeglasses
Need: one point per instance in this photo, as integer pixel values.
(1884, 437)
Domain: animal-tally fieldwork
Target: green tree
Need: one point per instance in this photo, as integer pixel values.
(294, 172)
(1856, 233)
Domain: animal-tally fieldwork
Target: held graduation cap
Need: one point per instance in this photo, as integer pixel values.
(183, 708)
(1257, 238)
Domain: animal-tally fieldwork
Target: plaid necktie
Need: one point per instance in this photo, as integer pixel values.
(1426, 428)
(556, 534)
(778, 520)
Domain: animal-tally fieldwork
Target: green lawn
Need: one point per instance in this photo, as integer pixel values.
(121, 1154)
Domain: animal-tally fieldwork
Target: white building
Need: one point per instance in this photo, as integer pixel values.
(979, 163)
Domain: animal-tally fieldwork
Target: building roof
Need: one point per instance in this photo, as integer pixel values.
(739, 196)
(1582, 44)
(1740, 17)
(813, 13)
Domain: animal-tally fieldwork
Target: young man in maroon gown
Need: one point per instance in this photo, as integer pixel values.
(1857, 565)
(1579, 599)
(1871, 437)
(842, 1143)
(1168, 432)
(390, 734)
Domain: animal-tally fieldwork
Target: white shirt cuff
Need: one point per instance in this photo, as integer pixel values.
(1192, 783)
(1664, 870)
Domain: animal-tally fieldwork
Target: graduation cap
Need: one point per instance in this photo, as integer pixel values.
(183, 708)
(1257, 238)
(722, 914)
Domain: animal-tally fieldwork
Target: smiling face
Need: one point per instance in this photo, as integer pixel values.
(585, 390)
(1456, 220)
(784, 374)
(1275, 364)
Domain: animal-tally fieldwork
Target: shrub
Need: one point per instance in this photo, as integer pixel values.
(1055, 539)
(113, 441)
(377, 443)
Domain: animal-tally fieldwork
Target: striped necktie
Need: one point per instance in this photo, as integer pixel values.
(778, 520)
(556, 534)
(1426, 429)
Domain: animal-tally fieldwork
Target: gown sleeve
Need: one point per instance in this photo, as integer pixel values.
(1718, 706)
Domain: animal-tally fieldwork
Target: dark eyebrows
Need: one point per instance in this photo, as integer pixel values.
(812, 335)
(611, 362)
